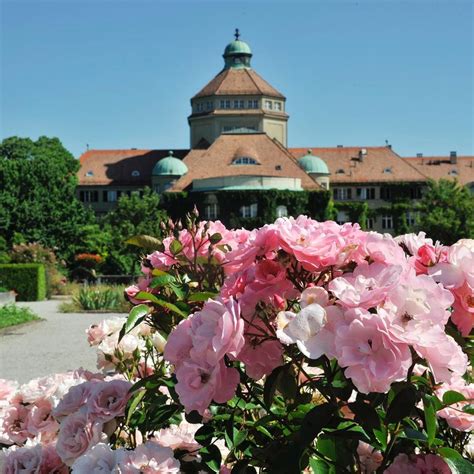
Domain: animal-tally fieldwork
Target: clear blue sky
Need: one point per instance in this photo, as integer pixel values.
(119, 74)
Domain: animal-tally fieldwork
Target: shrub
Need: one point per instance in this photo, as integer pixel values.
(27, 279)
(11, 315)
(36, 253)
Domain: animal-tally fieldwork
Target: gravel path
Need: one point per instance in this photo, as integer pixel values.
(56, 344)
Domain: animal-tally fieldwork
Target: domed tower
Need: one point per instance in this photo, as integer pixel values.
(166, 172)
(237, 100)
(316, 167)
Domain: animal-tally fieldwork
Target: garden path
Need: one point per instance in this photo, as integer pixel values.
(56, 344)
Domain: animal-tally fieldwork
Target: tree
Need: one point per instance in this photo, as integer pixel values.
(134, 215)
(447, 212)
(38, 194)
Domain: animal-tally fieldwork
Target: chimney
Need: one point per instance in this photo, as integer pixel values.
(339, 146)
(453, 157)
(362, 153)
(419, 155)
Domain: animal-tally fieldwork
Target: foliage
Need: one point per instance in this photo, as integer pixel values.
(11, 315)
(447, 211)
(97, 298)
(311, 203)
(38, 199)
(134, 215)
(36, 253)
(28, 280)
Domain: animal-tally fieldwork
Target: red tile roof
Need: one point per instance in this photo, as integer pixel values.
(238, 82)
(116, 166)
(440, 167)
(379, 165)
(274, 160)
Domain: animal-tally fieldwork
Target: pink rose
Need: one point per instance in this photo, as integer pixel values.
(41, 421)
(14, 424)
(74, 399)
(199, 383)
(76, 435)
(370, 459)
(148, 458)
(371, 358)
(261, 356)
(100, 458)
(109, 399)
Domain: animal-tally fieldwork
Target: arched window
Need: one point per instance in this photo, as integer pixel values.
(211, 211)
(281, 211)
(244, 160)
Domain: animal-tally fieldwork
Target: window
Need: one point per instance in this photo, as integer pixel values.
(385, 193)
(135, 173)
(365, 193)
(239, 104)
(253, 104)
(411, 218)
(209, 105)
(269, 104)
(225, 104)
(387, 170)
(89, 196)
(282, 211)
(199, 107)
(370, 223)
(453, 172)
(89, 173)
(342, 194)
(415, 192)
(340, 171)
(211, 211)
(249, 211)
(278, 106)
(387, 222)
(342, 217)
(109, 196)
(244, 160)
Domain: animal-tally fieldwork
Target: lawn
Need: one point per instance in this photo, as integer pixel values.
(11, 315)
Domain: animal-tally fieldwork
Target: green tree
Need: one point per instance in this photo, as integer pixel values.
(38, 194)
(134, 215)
(447, 212)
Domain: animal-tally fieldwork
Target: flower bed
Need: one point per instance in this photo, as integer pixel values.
(297, 346)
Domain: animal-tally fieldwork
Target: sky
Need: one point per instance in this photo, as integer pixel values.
(120, 73)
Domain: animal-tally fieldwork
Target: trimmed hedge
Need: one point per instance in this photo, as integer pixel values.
(27, 279)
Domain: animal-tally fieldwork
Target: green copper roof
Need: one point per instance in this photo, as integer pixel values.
(313, 164)
(237, 53)
(237, 47)
(169, 166)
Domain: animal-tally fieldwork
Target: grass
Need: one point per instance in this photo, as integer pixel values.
(97, 298)
(11, 315)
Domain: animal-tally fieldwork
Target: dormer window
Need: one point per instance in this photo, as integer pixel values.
(89, 174)
(340, 171)
(387, 170)
(135, 173)
(453, 172)
(244, 160)
(269, 104)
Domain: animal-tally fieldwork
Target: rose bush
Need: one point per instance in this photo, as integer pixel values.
(301, 346)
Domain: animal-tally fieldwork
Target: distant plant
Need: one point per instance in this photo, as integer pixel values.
(98, 298)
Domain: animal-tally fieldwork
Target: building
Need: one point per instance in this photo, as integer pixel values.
(238, 167)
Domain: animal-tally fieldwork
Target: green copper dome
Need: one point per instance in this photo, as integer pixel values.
(169, 166)
(237, 53)
(313, 164)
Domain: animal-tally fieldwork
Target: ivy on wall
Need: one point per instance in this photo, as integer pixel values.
(311, 203)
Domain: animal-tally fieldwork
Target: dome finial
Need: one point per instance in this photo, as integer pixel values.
(237, 34)
(171, 153)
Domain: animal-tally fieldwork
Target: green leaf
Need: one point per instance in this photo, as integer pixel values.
(134, 404)
(315, 420)
(212, 457)
(146, 242)
(430, 419)
(318, 466)
(202, 296)
(459, 465)
(450, 397)
(136, 315)
(175, 247)
(204, 435)
(143, 295)
(242, 467)
(402, 405)
(468, 409)
(365, 415)
(161, 280)
(449, 453)
(271, 383)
